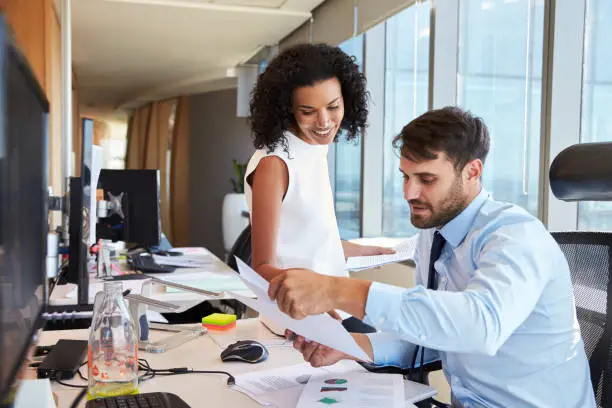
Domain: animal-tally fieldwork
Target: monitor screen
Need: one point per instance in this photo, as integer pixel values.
(80, 224)
(23, 207)
(86, 175)
(140, 201)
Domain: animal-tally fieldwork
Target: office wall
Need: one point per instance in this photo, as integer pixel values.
(36, 29)
(216, 137)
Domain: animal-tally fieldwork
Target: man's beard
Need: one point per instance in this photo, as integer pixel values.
(448, 209)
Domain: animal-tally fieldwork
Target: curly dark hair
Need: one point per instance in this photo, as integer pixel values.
(305, 65)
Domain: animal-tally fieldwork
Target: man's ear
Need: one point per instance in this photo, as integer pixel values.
(473, 170)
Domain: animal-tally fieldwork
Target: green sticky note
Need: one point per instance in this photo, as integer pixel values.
(328, 401)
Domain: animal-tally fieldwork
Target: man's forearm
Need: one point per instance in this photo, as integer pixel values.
(350, 295)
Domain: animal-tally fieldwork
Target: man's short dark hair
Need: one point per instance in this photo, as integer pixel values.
(458, 133)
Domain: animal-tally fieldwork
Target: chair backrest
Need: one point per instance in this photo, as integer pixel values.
(240, 249)
(589, 255)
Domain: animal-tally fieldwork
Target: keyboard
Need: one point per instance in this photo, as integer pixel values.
(146, 400)
(147, 264)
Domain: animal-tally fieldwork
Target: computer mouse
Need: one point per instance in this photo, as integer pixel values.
(247, 351)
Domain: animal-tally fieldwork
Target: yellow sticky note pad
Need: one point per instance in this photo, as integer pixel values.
(219, 319)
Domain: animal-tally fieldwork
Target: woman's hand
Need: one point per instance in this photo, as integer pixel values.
(351, 249)
(367, 250)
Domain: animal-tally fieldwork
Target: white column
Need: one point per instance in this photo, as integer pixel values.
(565, 103)
(443, 53)
(373, 142)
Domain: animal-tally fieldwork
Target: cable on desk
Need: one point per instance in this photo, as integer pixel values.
(61, 271)
(182, 370)
(58, 379)
(81, 374)
(78, 398)
(70, 385)
(149, 373)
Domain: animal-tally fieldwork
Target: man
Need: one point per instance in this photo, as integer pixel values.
(502, 319)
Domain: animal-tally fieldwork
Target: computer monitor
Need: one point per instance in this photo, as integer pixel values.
(89, 192)
(23, 207)
(79, 225)
(140, 222)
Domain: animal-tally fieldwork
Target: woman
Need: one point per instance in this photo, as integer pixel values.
(308, 95)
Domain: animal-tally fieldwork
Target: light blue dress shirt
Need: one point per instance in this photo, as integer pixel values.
(502, 321)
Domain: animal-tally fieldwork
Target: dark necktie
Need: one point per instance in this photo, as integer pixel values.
(436, 250)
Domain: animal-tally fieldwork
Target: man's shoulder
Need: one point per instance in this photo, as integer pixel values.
(504, 213)
(496, 217)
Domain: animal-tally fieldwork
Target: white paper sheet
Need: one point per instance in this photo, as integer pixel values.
(415, 392)
(403, 251)
(320, 328)
(349, 390)
(183, 261)
(281, 387)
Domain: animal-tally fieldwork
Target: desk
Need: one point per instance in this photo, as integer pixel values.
(66, 294)
(199, 354)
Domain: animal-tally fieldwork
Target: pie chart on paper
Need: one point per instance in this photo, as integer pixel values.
(336, 381)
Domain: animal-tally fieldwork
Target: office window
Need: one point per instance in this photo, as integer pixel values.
(347, 194)
(596, 100)
(500, 80)
(406, 89)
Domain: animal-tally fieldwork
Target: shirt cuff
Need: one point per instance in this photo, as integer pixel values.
(383, 306)
(390, 350)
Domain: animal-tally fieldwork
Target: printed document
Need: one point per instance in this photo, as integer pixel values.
(281, 387)
(346, 390)
(403, 252)
(320, 328)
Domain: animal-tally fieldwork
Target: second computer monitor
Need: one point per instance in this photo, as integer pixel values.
(140, 222)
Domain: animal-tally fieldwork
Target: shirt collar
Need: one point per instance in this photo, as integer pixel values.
(456, 229)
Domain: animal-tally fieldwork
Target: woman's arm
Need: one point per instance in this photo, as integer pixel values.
(269, 185)
(351, 249)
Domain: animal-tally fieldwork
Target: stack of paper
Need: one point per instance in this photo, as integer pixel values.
(281, 387)
(285, 387)
(403, 251)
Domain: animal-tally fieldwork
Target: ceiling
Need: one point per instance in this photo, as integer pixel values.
(128, 51)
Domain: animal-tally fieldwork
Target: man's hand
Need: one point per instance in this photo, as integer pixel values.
(300, 292)
(335, 315)
(317, 354)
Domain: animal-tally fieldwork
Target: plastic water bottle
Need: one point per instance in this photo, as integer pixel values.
(113, 347)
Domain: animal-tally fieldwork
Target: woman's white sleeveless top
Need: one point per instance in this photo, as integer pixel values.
(308, 234)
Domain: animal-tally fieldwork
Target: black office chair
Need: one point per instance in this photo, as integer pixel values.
(589, 255)
(242, 250)
(583, 172)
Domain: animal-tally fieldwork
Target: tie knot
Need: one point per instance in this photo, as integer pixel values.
(437, 245)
